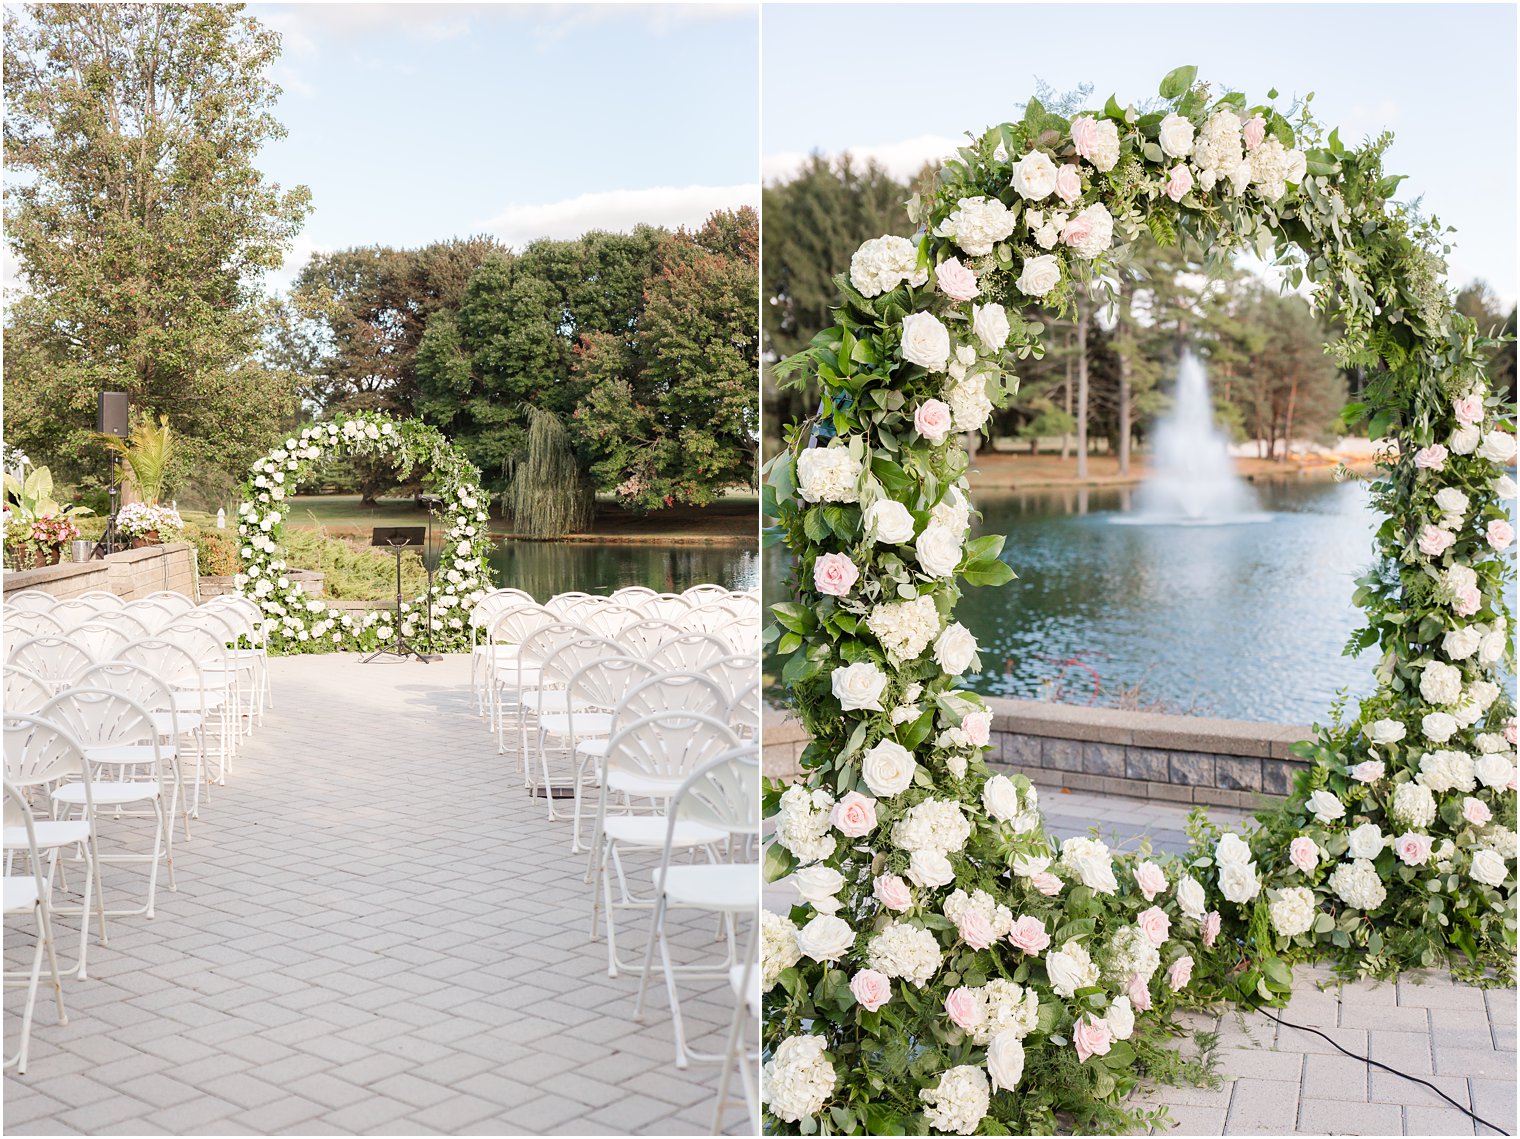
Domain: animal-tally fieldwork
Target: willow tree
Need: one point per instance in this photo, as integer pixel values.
(547, 495)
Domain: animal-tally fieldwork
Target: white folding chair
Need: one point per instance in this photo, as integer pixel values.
(199, 705)
(552, 697)
(670, 606)
(131, 624)
(104, 600)
(593, 694)
(644, 636)
(151, 615)
(561, 603)
(126, 769)
(72, 612)
(245, 621)
(100, 640)
(177, 602)
(21, 624)
(690, 652)
(659, 752)
(39, 755)
(518, 669)
(632, 594)
(28, 893)
(57, 660)
(723, 795)
(30, 600)
(243, 666)
(706, 591)
(744, 980)
(25, 691)
(609, 620)
(482, 656)
(146, 688)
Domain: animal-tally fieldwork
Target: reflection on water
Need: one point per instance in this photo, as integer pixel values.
(1245, 622)
(546, 568)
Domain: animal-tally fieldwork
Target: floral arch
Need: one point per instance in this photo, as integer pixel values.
(299, 623)
(951, 968)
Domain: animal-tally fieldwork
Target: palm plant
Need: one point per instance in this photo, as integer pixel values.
(147, 452)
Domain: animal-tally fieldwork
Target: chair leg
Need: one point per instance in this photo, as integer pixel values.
(678, 1028)
(731, 1058)
(656, 920)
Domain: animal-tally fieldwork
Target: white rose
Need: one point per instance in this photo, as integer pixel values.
(1121, 1018)
(1005, 1061)
(825, 938)
(955, 649)
(888, 523)
(930, 869)
(1459, 644)
(888, 769)
(1091, 862)
(859, 686)
(1497, 447)
(1438, 727)
(1385, 732)
(1231, 848)
(1070, 968)
(1451, 500)
(1238, 882)
(1493, 769)
(1491, 647)
(1326, 807)
(1465, 440)
(1176, 136)
(1191, 900)
(1001, 798)
(1489, 868)
(828, 474)
(977, 224)
(817, 886)
(1041, 274)
(990, 324)
(1366, 841)
(925, 341)
(1034, 176)
(1505, 487)
(938, 550)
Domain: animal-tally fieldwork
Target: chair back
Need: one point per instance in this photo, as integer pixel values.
(570, 656)
(673, 692)
(495, 603)
(100, 640)
(222, 622)
(73, 612)
(99, 718)
(705, 592)
(744, 711)
(642, 637)
(733, 673)
(515, 626)
(609, 620)
(544, 641)
(603, 683)
(707, 618)
(130, 624)
(689, 652)
(175, 601)
(670, 606)
(633, 594)
(137, 683)
(25, 691)
(38, 752)
(27, 623)
(152, 616)
(58, 660)
(172, 663)
(724, 792)
(562, 603)
(30, 600)
(668, 745)
(103, 600)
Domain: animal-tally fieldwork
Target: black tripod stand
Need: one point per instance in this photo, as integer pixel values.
(397, 538)
(107, 543)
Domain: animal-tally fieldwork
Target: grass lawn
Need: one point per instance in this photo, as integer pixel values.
(734, 516)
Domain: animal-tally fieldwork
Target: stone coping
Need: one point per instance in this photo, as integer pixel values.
(51, 578)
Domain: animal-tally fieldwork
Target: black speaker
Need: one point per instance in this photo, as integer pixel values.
(111, 414)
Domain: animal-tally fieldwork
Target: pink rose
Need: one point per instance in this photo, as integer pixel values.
(854, 815)
(1046, 883)
(1368, 771)
(1084, 135)
(1254, 130)
(1068, 183)
(1139, 993)
(834, 575)
(1413, 849)
(1500, 534)
(1150, 878)
(1180, 973)
(1210, 928)
(1077, 230)
(1469, 410)
(1155, 925)
(956, 281)
(892, 892)
(1028, 934)
(871, 989)
(975, 930)
(1435, 541)
(1467, 602)
(1431, 458)
(1509, 729)
(978, 728)
(1179, 182)
(1476, 811)
(1304, 854)
(1092, 1037)
(933, 420)
(963, 1009)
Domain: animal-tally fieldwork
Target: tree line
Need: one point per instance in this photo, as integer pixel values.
(145, 229)
(1105, 374)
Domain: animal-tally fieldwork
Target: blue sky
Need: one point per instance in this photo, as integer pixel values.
(423, 121)
(1442, 77)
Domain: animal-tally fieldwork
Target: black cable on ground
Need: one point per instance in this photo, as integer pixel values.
(1402, 1075)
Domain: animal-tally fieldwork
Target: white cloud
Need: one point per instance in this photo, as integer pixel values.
(618, 210)
(902, 160)
(301, 251)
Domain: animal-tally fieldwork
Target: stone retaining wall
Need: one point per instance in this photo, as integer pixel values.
(1183, 759)
(128, 573)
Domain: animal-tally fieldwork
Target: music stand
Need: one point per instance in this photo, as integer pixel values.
(397, 538)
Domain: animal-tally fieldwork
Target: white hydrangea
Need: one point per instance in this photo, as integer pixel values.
(778, 948)
(1447, 770)
(1273, 166)
(977, 224)
(1292, 911)
(999, 918)
(1218, 149)
(798, 1079)
(952, 511)
(1090, 862)
(1006, 1007)
(937, 825)
(906, 952)
(1414, 805)
(905, 628)
(883, 263)
(969, 403)
(1441, 683)
(1357, 884)
(1071, 968)
(1099, 233)
(803, 825)
(1131, 954)
(958, 1103)
(828, 474)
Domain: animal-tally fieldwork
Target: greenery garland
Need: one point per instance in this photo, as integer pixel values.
(951, 968)
(300, 624)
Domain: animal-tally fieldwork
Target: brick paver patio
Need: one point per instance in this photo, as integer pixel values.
(376, 931)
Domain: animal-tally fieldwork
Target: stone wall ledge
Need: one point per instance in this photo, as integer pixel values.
(1190, 759)
(127, 573)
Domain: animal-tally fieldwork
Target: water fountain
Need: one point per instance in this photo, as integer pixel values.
(1192, 480)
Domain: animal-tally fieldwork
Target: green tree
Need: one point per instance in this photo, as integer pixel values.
(142, 225)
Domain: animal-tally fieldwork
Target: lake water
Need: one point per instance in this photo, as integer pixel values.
(1240, 621)
(547, 568)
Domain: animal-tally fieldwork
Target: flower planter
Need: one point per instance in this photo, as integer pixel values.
(149, 538)
(30, 557)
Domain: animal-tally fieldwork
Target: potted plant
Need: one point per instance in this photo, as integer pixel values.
(37, 527)
(148, 524)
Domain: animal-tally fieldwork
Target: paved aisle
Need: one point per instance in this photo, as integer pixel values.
(376, 931)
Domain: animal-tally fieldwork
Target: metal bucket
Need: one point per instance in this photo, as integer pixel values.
(81, 549)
